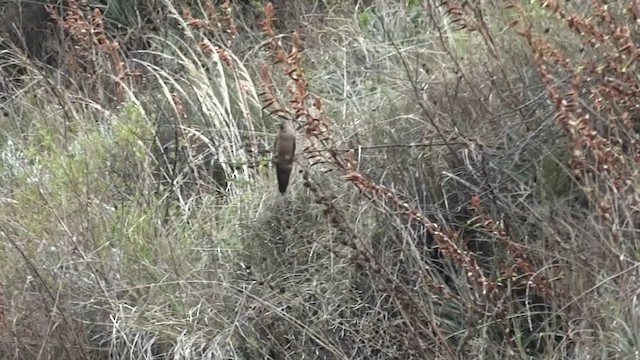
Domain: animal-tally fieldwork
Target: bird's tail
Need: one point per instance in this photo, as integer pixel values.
(283, 173)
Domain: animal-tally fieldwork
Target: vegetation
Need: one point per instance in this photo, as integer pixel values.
(467, 183)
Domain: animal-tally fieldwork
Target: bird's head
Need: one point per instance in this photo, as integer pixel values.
(286, 125)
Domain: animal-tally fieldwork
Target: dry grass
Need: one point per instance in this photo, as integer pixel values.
(467, 184)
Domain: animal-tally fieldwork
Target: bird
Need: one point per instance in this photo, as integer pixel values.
(285, 148)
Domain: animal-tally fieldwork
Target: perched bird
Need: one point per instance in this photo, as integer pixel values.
(285, 148)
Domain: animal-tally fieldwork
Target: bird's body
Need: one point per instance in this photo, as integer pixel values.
(285, 149)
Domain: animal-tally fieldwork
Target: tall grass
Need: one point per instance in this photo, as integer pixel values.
(466, 185)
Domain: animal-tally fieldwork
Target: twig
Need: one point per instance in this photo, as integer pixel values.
(346, 150)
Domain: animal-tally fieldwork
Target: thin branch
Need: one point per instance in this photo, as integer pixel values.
(345, 150)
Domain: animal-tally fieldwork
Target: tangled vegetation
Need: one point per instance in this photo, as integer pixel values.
(466, 185)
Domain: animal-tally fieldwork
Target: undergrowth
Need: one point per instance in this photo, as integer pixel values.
(466, 181)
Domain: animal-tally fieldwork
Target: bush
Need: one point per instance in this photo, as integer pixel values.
(466, 182)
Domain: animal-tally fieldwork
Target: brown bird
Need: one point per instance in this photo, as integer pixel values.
(285, 148)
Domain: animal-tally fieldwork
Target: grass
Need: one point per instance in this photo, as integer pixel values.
(466, 185)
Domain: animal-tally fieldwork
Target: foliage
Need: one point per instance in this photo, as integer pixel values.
(467, 182)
